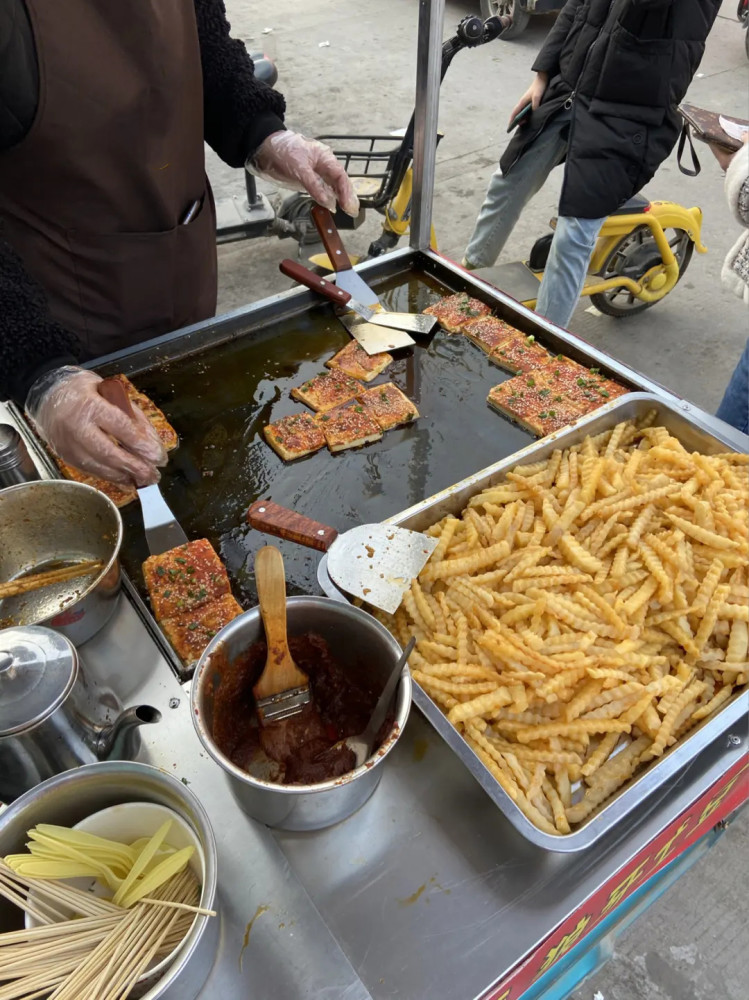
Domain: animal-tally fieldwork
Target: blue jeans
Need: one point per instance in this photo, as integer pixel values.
(734, 407)
(574, 239)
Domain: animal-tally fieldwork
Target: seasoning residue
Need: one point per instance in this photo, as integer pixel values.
(263, 908)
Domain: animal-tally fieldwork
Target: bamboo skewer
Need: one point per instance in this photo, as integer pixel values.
(36, 581)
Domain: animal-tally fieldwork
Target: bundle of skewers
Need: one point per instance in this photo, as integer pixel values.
(83, 947)
(46, 578)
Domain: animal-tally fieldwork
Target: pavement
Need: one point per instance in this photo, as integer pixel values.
(350, 68)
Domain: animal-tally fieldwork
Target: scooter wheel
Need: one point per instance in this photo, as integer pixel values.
(634, 255)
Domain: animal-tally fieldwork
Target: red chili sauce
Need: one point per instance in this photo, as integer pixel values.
(302, 746)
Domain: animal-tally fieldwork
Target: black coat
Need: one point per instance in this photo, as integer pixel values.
(626, 65)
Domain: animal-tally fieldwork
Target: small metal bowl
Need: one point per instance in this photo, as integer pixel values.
(70, 797)
(355, 638)
(54, 521)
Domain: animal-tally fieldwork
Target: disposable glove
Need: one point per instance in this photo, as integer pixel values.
(69, 414)
(305, 164)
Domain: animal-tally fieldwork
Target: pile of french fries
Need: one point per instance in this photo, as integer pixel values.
(585, 613)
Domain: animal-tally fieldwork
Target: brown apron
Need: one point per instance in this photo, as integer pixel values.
(93, 197)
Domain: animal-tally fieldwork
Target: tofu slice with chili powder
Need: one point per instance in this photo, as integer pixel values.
(349, 427)
(388, 406)
(532, 403)
(518, 353)
(488, 332)
(454, 311)
(190, 632)
(161, 425)
(327, 391)
(295, 436)
(185, 578)
(353, 360)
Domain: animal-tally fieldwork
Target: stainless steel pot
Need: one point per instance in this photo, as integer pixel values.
(356, 639)
(47, 712)
(70, 797)
(52, 521)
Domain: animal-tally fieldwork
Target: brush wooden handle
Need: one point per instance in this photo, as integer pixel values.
(331, 238)
(273, 519)
(281, 673)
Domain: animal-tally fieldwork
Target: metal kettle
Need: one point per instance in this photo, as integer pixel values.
(46, 718)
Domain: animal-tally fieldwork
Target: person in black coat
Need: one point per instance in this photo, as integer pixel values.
(604, 102)
(107, 229)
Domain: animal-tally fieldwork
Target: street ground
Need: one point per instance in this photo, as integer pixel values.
(350, 67)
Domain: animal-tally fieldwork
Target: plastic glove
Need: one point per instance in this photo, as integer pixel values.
(305, 165)
(67, 411)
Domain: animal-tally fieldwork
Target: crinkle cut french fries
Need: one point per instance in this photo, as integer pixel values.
(578, 618)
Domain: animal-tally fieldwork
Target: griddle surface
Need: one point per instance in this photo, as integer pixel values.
(220, 400)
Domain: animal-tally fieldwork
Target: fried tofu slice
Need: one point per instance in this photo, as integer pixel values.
(530, 402)
(161, 425)
(348, 427)
(120, 495)
(190, 632)
(185, 578)
(519, 353)
(353, 360)
(454, 311)
(295, 436)
(587, 387)
(388, 406)
(326, 391)
(488, 332)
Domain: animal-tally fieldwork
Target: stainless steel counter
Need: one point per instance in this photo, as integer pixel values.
(426, 892)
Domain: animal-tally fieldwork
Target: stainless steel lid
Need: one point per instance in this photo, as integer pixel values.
(38, 667)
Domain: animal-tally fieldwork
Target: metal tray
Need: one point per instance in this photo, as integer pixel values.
(684, 424)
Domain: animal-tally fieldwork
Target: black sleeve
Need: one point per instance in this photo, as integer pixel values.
(547, 60)
(240, 111)
(31, 343)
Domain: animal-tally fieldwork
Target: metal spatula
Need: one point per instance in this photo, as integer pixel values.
(376, 562)
(373, 338)
(163, 530)
(352, 282)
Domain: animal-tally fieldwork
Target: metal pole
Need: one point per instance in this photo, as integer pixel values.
(428, 65)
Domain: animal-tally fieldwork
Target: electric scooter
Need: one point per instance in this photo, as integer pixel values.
(642, 251)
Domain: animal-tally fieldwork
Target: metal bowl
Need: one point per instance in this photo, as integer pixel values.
(52, 521)
(68, 798)
(356, 639)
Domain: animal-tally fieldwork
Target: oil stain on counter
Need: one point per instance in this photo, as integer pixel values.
(431, 884)
(263, 908)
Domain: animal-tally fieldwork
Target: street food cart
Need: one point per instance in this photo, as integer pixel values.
(428, 890)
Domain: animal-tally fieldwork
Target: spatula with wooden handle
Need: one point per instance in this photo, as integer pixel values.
(163, 530)
(283, 689)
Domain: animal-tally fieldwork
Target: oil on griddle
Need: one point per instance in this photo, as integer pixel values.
(220, 400)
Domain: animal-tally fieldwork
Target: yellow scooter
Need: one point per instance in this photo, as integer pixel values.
(642, 251)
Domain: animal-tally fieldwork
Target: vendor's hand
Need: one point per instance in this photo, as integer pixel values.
(79, 424)
(305, 165)
(722, 155)
(532, 96)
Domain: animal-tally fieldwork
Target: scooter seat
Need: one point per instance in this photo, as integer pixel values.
(634, 206)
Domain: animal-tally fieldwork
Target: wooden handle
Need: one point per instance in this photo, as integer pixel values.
(115, 393)
(293, 269)
(273, 519)
(331, 238)
(281, 673)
